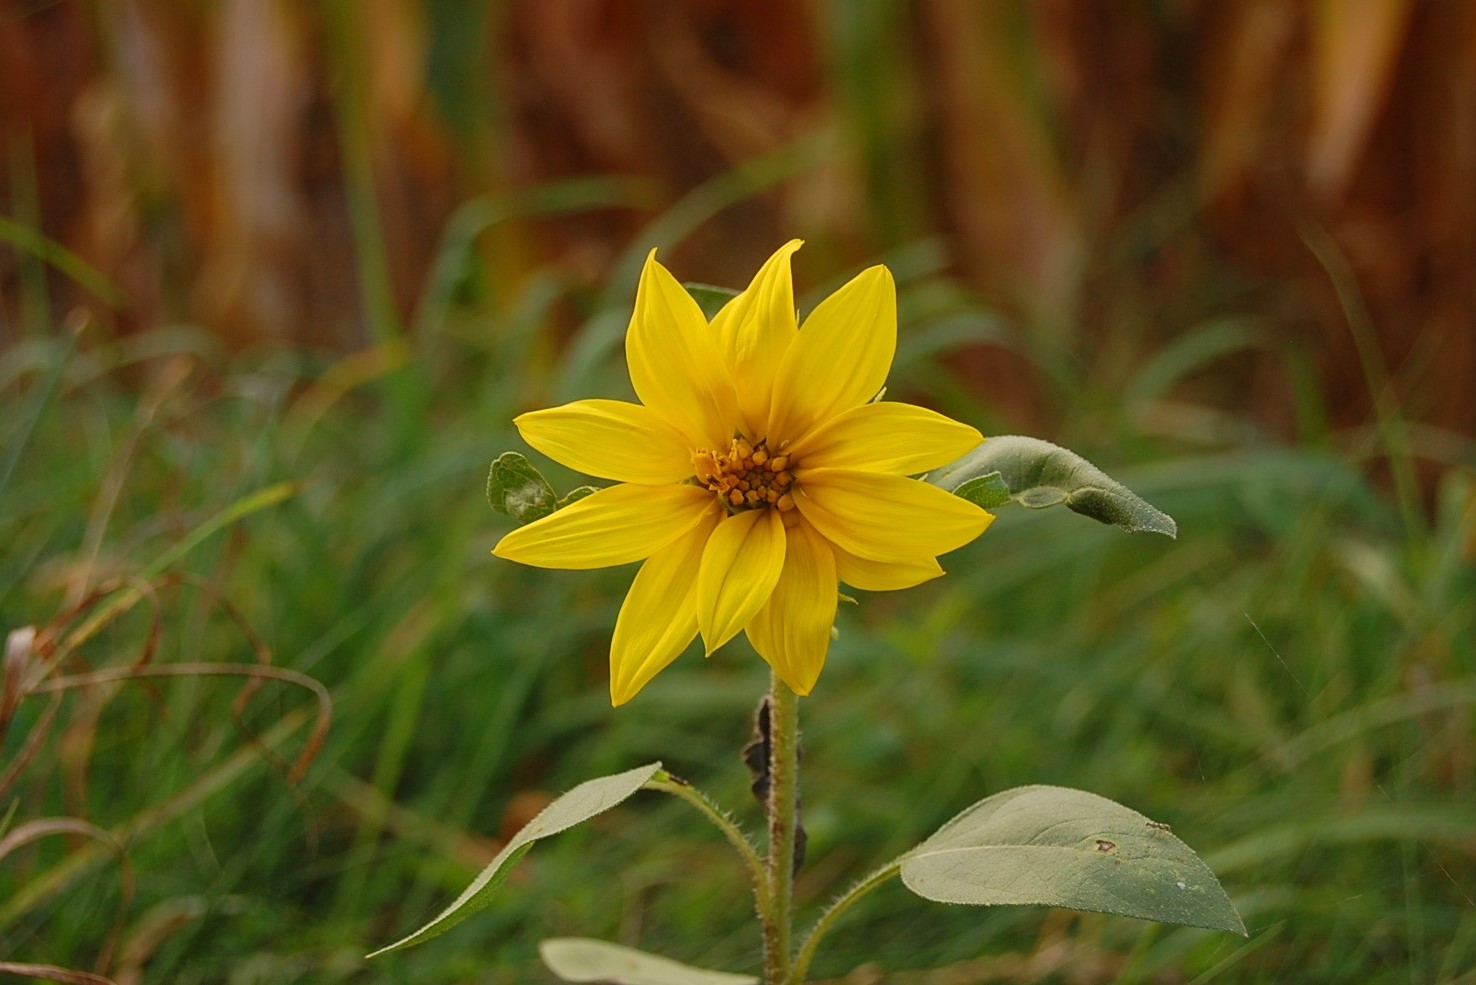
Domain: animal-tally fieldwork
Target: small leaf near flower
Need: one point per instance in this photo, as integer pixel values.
(1038, 474)
(987, 491)
(575, 495)
(517, 489)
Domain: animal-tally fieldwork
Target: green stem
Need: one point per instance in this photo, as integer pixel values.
(783, 786)
(832, 913)
(683, 790)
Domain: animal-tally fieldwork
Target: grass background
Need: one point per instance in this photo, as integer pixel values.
(238, 435)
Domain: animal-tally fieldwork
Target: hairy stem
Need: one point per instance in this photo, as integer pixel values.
(832, 913)
(683, 790)
(783, 784)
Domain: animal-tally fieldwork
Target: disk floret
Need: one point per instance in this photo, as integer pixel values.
(746, 476)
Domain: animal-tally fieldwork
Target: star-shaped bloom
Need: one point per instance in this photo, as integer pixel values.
(757, 473)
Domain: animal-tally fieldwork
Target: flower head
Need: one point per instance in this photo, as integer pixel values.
(756, 473)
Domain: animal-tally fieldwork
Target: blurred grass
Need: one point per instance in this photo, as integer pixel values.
(1290, 684)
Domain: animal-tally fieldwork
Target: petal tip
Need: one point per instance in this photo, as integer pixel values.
(798, 685)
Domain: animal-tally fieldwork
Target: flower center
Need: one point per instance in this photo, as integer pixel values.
(746, 476)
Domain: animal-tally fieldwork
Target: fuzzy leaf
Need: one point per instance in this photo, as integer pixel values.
(1050, 846)
(580, 804)
(1039, 474)
(579, 959)
(575, 495)
(987, 491)
(516, 488)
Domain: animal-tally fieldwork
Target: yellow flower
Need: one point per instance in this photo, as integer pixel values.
(755, 474)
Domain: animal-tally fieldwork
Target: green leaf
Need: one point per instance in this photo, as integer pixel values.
(987, 491)
(580, 804)
(709, 298)
(579, 959)
(575, 495)
(1050, 846)
(516, 488)
(1039, 474)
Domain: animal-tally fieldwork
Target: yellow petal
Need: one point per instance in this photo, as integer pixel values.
(841, 357)
(659, 616)
(755, 329)
(899, 439)
(886, 517)
(739, 569)
(675, 363)
(610, 439)
(613, 526)
(883, 576)
(792, 631)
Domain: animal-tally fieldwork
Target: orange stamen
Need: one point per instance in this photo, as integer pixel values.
(745, 476)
